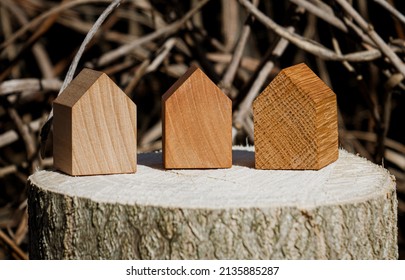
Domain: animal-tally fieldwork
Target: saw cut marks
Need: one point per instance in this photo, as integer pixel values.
(94, 127)
(197, 124)
(295, 122)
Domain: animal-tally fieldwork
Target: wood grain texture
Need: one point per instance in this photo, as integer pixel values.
(347, 210)
(94, 127)
(295, 122)
(197, 124)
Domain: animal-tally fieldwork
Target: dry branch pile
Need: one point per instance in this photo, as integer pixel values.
(356, 47)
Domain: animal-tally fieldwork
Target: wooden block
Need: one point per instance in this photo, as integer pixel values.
(94, 127)
(295, 122)
(197, 124)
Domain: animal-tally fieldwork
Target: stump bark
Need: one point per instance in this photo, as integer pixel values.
(347, 210)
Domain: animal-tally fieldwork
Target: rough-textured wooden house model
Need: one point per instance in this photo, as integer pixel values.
(94, 127)
(295, 122)
(197, 124)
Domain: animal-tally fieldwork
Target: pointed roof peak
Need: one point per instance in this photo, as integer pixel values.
(79, 86)
(299, 72)
(304, 78)
(194, 69)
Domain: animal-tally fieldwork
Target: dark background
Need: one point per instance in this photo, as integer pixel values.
(32, 67)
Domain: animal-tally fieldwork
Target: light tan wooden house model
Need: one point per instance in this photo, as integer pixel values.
(295, 122)
(197, 124)
(94, 127)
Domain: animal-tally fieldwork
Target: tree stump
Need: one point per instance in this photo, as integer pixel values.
(347, 210)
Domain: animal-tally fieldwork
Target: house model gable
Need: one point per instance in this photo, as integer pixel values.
(94, 127)
(295, 121)
(197, 124)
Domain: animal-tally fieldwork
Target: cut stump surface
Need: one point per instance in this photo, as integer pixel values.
(347, 210)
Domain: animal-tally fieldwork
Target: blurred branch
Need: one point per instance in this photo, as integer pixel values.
(230, 73)
(36, 21)
(392, 10)
(230, 23)
(369, 29)
(324, 12)
(372, 137)
(309, 45)
(151, 135)
(37, 48)
(254, 90)
(167, 30)
(375, 114)
(25, 134)
(29, 84)
(11, 135)
(148, 65)
(13, 246)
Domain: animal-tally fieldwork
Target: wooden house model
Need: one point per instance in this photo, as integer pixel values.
(295, 122)
(197, 124)
(94, 127)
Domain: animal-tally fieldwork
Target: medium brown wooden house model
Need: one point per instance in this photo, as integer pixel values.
(295, 122)
(197, 124)
(94, 127)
